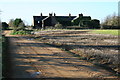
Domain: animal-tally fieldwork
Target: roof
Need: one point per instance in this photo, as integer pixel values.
(59, 18)
(39, 18)
(64, 18)
(82, 18)
(86, 17)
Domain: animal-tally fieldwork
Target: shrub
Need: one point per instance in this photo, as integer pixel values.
(4, 25)
(58, 26)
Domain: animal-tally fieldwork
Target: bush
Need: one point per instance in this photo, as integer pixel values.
(4, 26)
(58, 26)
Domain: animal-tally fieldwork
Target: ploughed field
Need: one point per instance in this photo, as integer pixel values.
(100, 49)
(60, 54)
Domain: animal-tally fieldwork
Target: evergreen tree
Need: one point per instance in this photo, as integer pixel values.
(4, 25)
(18, 24)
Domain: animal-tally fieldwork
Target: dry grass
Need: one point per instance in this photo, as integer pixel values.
(97, 48)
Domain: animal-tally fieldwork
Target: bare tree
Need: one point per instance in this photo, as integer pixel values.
(111, 20)
(11, 22)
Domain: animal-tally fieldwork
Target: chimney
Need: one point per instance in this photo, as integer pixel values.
(50, 14)
(41, 14)
(69, 15)
(81, 15)
(54, 14)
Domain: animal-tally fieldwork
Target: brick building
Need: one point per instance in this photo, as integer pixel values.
(40, 22)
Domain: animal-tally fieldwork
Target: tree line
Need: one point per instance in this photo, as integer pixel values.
(111, 22)
(16, 24)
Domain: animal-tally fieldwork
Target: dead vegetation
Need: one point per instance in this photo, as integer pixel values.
(99, 49)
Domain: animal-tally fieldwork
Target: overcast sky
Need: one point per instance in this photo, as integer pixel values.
(26, 9)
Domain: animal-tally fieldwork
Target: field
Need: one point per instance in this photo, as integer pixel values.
(113, 32)
(60, 53)
(97, 46)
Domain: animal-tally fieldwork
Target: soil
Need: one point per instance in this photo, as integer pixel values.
(30, 58)
(100, 49)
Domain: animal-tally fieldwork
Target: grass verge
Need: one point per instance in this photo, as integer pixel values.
(0, 57)
(21, 32)
(112, 32)
(5, 57)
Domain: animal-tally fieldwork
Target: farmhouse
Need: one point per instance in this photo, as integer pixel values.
(40, 22)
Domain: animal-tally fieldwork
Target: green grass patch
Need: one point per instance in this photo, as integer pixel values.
(112, 32)
(51, 29)
(21, 32)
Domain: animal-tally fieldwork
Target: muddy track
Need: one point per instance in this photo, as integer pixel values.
(29, 57)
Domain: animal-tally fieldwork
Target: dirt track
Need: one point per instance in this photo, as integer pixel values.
(29, 56)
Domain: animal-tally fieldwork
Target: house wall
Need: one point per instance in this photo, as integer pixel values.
(48, 22)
